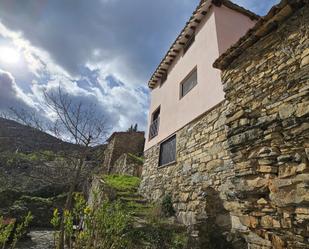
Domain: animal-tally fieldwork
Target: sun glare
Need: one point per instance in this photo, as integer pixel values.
(9, 55)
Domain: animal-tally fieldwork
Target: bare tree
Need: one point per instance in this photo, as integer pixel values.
(77, 123)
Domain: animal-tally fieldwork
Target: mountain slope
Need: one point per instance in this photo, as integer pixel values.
(15, 136)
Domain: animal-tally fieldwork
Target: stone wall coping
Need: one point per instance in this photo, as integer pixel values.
(125, 133)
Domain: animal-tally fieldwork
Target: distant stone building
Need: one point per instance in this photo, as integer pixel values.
(119, 144)
(239, 173)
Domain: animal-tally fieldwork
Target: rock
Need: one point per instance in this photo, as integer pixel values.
(267, 169)
(277, 242)
(297, 157)
(267, 221)
(187, 218)
(302, 109)
(268, 152)
(302, 210)
(299, 130)
(287, 170)
(262, 201)
(266, 161)
(214, 164)
(304, 61)
(286, 111)
(184, 197)
(295, 194)
(237, 224)
(236, 116)
(284, 158)
(305, 53)
(249, 221)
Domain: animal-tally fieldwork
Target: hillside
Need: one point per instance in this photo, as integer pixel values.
(33, 174)
(15, 136)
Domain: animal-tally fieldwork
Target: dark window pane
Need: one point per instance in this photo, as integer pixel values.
(168, 151)
(189, 83)
(156, 114)
(154, 126)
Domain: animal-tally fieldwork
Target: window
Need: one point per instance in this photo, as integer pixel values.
(188, 43)
(188, 83)
(154, 126)
(168, 151)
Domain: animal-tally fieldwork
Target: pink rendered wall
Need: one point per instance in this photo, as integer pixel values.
(175, 112)
(231, 26)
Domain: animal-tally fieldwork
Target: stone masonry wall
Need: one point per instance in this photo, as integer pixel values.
(201, 174)
(128, 165)
(242, 168)
(267, 91)
(121, 143)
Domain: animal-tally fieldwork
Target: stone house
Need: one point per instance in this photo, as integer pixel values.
(240, 170)
(121, 144)
(185, 85)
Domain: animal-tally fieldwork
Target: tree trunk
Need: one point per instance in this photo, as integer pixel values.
(68, 203)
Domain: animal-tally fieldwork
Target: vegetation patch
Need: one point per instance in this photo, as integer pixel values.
(17, 158)
(122, 182)
(136, 158)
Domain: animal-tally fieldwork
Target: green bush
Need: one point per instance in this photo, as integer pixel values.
(13, 230)
(107, 226)
(167, 206)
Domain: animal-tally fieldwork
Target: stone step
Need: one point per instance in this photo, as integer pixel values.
(136, 200)
(127, 194)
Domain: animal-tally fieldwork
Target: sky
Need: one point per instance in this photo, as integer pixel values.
(101, 52)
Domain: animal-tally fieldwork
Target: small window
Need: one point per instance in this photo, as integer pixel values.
(154, 126)
(168, 151)
(188, 43)
(188, 83)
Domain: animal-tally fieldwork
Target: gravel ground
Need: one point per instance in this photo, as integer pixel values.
(39, 239)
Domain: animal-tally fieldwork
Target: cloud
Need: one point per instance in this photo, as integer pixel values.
(260, 7)
(11, 95)
(126, 37)
(99, 51)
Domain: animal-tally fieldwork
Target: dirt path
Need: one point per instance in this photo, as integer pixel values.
(40, 239)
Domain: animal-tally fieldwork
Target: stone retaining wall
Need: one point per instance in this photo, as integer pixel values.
(127, 164)
(243, 166)
(120, 143)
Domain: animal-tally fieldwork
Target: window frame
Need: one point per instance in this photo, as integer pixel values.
(160, 147)
(158, 109)
(194, 70)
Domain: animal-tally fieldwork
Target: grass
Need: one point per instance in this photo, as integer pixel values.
(16, 158)
(122, 182)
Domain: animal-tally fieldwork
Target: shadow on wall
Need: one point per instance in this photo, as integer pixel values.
(214, 231)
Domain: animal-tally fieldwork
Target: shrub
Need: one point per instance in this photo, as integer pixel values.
(13, 230)
(107, 226)
(167, 206)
